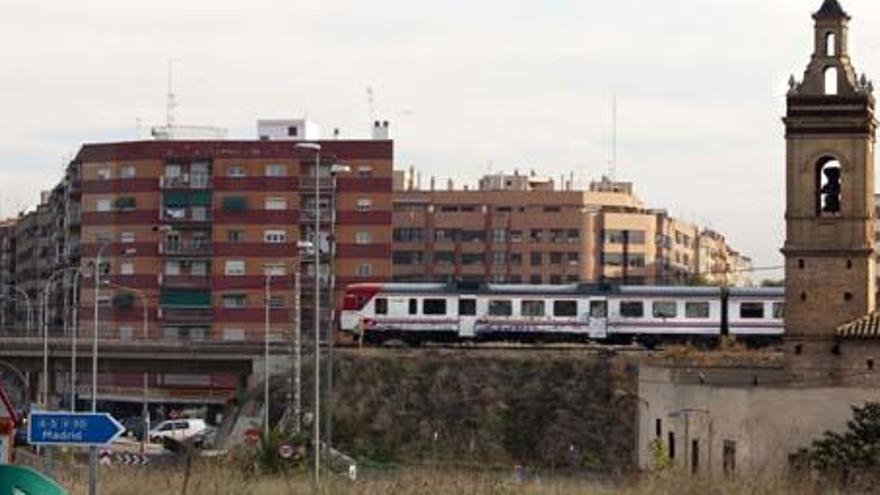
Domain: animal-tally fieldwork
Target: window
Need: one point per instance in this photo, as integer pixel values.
(467, 307)
(276, 302)
(364, 171)
(199, 269)
(536, 235)
(276, 204)
(445, 235)
(532, 308)
(696, 310)
(233, 334)
(125, 203)
(778, 310)
(127, 172)
(105, 173)
(444, 257)
(126, 268)
(671, 445)
(555, 279)
(364, 204)
(362, 238)
(473, 258)
(565, 308)
(535, 280)
(103, 205)
(234, 301)
(516, 259)
(434, 307)
(172, 170)
(612, 259)
(199, 213)
(407, 257)
(235, 236)
(658, 428)
(172, 268)
(516, 236)
(234, 268)
(729, 458)
(276, 170)
(557, 235)
(413, 308)
(126, 333)
(574, 236)
(624, 236)
(535, 259)
(751, 310)
(234, 203)
(829, 193)
(555, 258)
(292, 131)
(275, 269)
(274, 236)
(664, 309)
(499, 259)
(126, 237)
(381, 306)
(408, 235)
(695, 456)
(473, 236)
(632, 309)
(235, 171)
(500, 308)
(364, 270)
(831, 81)
(499, 235)
(573, 258)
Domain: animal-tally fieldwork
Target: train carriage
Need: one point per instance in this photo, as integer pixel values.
(416, 313)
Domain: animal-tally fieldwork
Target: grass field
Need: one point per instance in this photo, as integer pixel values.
(220, 479)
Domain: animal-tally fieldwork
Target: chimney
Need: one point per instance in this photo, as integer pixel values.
(336, 133)
(380, 130)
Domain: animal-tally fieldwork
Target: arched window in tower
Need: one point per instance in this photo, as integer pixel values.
(830, 45)
(831, 81)
(828, 189)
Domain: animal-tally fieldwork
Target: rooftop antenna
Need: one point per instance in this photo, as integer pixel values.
(171, 104)
(612, 165)
(371, 104)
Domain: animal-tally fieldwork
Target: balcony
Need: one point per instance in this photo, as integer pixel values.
(185, 181)
(184, 215)
(183, 248)
(181, 315)
(307, 184)
(185, 281)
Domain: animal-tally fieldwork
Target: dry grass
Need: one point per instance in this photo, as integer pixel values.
(220, 479)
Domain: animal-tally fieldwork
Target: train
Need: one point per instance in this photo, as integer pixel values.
(417, 313)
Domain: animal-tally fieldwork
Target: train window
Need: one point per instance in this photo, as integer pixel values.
(664, 309)
(467, 307)
(565, 308)
(500, 308)
(778, 310)
(413, 306)
(532, 308)
(632, 309)
(696, 310)
(751, 310)
(598, 309)
(434, 306)
(381, 306)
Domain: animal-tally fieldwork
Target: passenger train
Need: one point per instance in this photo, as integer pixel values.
(418, 313)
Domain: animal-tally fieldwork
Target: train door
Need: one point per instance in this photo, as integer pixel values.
(598, 318)
(467, 316)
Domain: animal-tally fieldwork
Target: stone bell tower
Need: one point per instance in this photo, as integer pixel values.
(830, 135)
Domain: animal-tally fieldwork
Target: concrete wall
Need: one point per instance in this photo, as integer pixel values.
(765, 423)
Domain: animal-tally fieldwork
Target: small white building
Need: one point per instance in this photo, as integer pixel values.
(288, 130)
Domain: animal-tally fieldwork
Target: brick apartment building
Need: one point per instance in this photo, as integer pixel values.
(523, 229)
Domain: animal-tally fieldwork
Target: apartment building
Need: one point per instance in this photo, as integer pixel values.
(195, 229)
(526, 229)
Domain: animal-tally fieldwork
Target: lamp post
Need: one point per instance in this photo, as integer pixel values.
(93, 451)
(268, 296)
(335, 169)
(74, 334)
(316, 476)
(30, 308)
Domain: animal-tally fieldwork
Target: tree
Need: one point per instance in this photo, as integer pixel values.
(852, 458)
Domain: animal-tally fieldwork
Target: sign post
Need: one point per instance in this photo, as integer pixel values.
(66, 428)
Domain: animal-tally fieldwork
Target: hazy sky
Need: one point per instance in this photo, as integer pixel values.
(468, 86)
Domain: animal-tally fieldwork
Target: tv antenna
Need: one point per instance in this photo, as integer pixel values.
(371, 104)
(171, 103)
(612, 161)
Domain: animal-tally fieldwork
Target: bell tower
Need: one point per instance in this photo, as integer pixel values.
(830, 135)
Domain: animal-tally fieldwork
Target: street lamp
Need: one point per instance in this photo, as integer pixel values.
(30, 307)
(335, 170)
(93, 451)
(45, 308)
(316, 477)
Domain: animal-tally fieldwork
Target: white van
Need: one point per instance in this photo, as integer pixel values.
(177, 429)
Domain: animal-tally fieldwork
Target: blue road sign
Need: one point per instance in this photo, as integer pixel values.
(60, 428)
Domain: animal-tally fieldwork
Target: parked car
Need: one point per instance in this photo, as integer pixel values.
(177, 429)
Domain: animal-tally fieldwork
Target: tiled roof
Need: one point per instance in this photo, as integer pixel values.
(831, 8)
(865, 328)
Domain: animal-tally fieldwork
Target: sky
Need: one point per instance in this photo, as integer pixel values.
(469, 87)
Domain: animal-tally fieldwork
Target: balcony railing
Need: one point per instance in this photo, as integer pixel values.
(183, 248)
(185, 281)
(185, 181)
(186, 315)
(307, 184)
(172, 215)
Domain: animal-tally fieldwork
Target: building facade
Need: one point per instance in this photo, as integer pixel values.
(522, 229)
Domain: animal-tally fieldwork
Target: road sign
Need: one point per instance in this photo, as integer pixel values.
(26, 481)
(129, 459)
(285, 451)
(105, 458)
(60, 428)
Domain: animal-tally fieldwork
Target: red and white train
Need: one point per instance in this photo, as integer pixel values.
(417, 313)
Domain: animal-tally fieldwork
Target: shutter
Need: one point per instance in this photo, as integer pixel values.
(185, 299)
